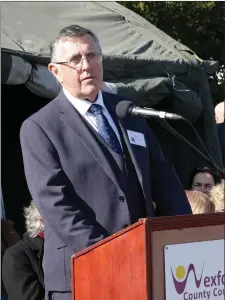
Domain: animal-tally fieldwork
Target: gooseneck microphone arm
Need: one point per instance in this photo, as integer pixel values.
(165, 124)
(125, 108)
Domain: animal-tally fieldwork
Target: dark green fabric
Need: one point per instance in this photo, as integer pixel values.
(138, 57)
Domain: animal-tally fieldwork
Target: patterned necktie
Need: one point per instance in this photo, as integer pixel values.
(104, 128)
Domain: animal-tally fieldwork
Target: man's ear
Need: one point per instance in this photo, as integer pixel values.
(54, 69)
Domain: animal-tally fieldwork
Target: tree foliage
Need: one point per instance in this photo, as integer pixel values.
(200, 25)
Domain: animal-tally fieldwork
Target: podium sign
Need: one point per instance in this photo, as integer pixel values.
(195, 271)
(131, 263)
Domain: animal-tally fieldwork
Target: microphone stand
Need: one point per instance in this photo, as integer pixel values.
(165, 124)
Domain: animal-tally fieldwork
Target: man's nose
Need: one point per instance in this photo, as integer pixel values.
(85, 64)
(204, 189)
(201, 188)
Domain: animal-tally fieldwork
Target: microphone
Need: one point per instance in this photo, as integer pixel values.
(126, 107)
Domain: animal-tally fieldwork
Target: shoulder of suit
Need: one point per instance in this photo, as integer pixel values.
(113, 96)
(46, 112)
(49, 108)
(116, 99)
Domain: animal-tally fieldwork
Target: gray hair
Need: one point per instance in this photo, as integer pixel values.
(70, 32)
(33, 220)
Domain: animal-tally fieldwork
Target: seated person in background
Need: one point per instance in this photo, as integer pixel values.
(21, 267)
(203, 180)
(217, 196)
(9, 237)
(219, 112)
(200, 203)
(220, 125)
(221, 135)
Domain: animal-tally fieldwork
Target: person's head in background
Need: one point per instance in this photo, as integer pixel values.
(200, 202)
(34, 221)
(203, 180)
(219, 112)
(217, 196)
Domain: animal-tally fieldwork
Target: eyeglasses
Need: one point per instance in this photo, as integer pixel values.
(76, 62)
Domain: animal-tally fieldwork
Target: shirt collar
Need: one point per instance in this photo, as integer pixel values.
(82, 106)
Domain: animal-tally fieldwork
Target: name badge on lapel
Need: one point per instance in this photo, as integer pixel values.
(136, 138)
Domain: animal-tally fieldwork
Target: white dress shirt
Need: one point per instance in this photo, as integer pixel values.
(82, 106)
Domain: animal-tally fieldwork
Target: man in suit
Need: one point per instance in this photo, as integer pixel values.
(90, 173)
(221, 134)
(219, 116)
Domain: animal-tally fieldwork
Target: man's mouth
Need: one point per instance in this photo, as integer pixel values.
(88, 78)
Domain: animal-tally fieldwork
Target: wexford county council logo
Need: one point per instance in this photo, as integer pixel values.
(207, 286)
(180, 274)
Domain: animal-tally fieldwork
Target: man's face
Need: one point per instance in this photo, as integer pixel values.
(203, 182)
(86, 81)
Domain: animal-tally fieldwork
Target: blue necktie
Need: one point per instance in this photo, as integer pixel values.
(104, 128)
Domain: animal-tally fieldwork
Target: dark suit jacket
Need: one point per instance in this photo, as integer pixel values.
(221, 134)
(9, 237)
(75, 188)
(22, 269)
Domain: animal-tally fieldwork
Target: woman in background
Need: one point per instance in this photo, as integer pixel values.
(200, 202)
(22, 263)
(203, 180)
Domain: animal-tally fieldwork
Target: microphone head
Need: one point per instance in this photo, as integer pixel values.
(123, 107)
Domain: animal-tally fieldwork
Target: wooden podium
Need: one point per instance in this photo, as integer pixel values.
(129, 265)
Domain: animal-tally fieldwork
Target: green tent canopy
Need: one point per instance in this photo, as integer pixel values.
(141, 63)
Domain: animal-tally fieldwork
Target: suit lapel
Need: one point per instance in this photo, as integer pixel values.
(133, 152)
(72, 118)
(139, 155)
